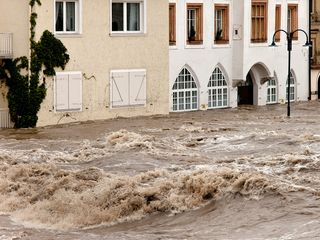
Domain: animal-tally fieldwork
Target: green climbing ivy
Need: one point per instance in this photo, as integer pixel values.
(25, 92)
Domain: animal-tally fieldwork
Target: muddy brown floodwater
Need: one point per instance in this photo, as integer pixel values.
(246, 173)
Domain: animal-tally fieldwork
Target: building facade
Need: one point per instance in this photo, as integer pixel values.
(118, 56)
(315, 60)
(120, 65)
(220, 56)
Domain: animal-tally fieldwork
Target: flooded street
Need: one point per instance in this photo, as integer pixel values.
(246, 173)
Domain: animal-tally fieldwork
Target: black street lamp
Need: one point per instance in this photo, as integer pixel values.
(289, 48)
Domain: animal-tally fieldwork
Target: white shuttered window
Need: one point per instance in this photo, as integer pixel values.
(128, 88)
(68, 91)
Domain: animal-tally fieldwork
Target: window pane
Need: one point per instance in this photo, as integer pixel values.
(71, 13)
(219, 25)
(191, 24)
(172, 24)
(187, 99)
(59, 16)
(133, 16)
(117, 16)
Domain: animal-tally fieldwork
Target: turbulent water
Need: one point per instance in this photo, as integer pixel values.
(247, 173)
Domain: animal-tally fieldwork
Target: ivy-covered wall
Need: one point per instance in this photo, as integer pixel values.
(22, 75)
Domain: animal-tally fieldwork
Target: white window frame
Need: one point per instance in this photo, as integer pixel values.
(292, 89)
(185, 93)
(272, 92)
(192, 13)
(78, 17)
(55, 92)
(219, 88)
(143, 18)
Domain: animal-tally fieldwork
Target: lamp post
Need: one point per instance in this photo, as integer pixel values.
(289, 49)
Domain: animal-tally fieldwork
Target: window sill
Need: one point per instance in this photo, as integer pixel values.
(68, 35)
(173, 47)
(127, 107)
(259, 44)
(66, 111)
(221, 46)
(123, 34)
(194, 46)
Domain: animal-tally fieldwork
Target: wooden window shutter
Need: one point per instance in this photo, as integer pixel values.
(293, 9)
(278, 22)
(259, 20)
(119, 91)
(138, 87)
(75, 91)
(172, 23)
(61, 92)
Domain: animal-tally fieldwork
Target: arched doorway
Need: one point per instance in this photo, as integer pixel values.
(245, 91)
(253, 91)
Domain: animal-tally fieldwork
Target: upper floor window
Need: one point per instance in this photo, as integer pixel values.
(221, 23)
(127, 16)
(259, 20)
(277, 22)
(67, 16)
(194, 24)
(172, 24)
(292, 20)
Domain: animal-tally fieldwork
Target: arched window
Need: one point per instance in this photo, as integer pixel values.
(217, 90)
(185, 92)
(272, 91)
(292, 88)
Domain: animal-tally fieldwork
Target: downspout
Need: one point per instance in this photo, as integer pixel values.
(310, 50)
(29, 37)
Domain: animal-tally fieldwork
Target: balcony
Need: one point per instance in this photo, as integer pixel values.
(6, 50)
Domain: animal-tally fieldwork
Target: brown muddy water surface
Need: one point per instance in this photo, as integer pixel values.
(246, 173)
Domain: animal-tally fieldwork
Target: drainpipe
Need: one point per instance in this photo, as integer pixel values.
(29, 46)
(310, 49)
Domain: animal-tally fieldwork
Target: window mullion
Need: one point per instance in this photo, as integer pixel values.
(64, 16)
(125, 27)
(141, 17)
(77, 16)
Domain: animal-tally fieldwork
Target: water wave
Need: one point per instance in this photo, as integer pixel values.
(46, 196)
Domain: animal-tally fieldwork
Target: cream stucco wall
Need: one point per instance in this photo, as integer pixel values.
(14, 19)
(95, 53)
